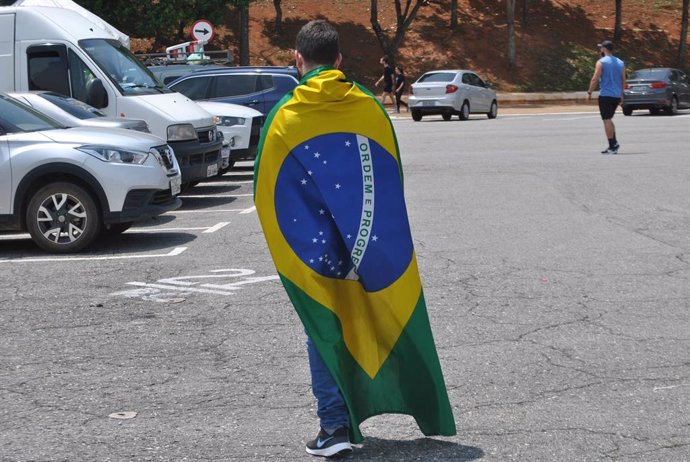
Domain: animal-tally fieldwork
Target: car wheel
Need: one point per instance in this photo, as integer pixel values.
(416, 115)
(447, 115)
(116, 228)
(465, 111)
(672, 109)
(627, 111)
(654, 111)
(493, 112)
(62, 217)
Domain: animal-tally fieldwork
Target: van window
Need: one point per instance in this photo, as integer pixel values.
(235, 85)
(80, 76)
(47, 68)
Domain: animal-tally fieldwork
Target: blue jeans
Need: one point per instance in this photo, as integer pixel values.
(331, 407)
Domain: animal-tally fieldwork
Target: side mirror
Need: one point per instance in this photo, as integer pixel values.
(96, 95)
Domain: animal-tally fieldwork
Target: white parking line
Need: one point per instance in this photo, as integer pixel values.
(214, 196)
(225, 183)
(174, 252)
(249, 210)
(215, 228)
(175, 212)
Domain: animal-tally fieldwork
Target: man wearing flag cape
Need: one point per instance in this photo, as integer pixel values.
(328, 188)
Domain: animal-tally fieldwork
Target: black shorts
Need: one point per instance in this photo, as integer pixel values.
(388, 88)
(607, 106)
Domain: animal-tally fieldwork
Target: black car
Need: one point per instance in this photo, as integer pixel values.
(258, 87)
(655, 90)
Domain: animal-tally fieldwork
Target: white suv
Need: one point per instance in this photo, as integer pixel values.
(67, 185)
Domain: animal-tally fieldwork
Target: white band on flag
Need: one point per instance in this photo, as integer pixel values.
(367, 219)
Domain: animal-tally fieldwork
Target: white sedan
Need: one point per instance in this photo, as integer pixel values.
(452, 92)
(241, 127)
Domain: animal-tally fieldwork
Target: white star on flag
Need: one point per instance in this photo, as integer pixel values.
(337, 186)
(349, 236)
(320, 233)
(347, 143)
(314, 240)
(303, 181)
(317, 155)
(374, 238)
(306, 146)
(322, 211)
(310, 172)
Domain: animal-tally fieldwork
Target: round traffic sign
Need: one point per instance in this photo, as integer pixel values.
(202, 30)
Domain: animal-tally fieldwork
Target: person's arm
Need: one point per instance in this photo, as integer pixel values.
(401, 86)
(623, 83)
(378, 81)
(595, 79)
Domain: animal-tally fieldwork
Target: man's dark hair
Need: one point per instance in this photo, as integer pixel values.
(317, 42)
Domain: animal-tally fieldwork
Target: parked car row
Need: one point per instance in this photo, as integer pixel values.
(657, 89)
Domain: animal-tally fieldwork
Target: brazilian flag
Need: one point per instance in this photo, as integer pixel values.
(328, 189)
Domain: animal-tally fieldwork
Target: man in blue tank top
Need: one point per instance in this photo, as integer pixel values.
(609, 74)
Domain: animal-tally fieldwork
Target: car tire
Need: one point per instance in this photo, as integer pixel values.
(416, 115)
(672, 108)
(62, 218)
(447, 115)
(493, 112)
(627, 111)
(465, 111)
(116, 228)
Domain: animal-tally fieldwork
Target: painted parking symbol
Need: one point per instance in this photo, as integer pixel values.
(224, 282)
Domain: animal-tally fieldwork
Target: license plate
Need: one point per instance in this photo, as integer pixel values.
(212, 170)
(175, 185)
(428, 103)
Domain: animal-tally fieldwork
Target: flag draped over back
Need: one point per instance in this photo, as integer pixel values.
(329, 194)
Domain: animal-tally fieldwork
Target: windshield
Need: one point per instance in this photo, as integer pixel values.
(437, 77)
(122, 67)
(16, 117)
(648, 74)
(72, 106)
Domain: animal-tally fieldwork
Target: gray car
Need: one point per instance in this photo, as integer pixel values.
(74, 113)
(67, 185)
(657, 89)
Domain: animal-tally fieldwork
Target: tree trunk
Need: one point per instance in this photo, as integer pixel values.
(404, 18)
(525, 12)
(682, 48)
(618, 29)
(510, 16)
(453, 14)
(279, 16)
(244, 35)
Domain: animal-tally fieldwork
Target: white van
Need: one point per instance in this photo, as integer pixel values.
(60, 50)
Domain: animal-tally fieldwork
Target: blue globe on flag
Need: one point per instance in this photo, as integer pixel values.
(339, 203)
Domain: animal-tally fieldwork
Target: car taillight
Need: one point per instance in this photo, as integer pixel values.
(411, 91)
(658, 85)
(627, 86)
(451, 88)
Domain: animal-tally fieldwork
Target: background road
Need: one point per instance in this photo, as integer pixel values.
(557, 281)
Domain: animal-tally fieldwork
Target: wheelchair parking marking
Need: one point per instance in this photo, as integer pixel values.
(174, 252)
(169, 289)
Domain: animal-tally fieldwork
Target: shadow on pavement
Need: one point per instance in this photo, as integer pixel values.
(427, 449)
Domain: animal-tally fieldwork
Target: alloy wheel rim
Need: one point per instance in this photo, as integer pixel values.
(61, 218)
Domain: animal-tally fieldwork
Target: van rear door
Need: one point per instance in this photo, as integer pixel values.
(7, 52)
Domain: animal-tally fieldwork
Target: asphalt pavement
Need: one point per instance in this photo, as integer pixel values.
(557, 281)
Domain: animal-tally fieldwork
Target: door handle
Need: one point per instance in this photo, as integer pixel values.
(253, 102)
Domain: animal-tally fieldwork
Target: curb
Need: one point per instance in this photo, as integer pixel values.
(573, 97)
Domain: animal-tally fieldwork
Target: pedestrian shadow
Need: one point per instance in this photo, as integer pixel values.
(377, 449)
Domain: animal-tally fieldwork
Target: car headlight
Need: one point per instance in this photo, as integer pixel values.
(181, 132)
(230, 121)
(110, 154)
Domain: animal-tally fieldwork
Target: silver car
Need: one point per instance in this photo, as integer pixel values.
(74, 113)
(452, 92)
(67, 185)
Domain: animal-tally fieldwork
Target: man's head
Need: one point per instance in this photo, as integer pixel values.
(606, 46)
(317, 45)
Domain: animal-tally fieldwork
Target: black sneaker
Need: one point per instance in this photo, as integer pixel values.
(613, 150)
(335, 444)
